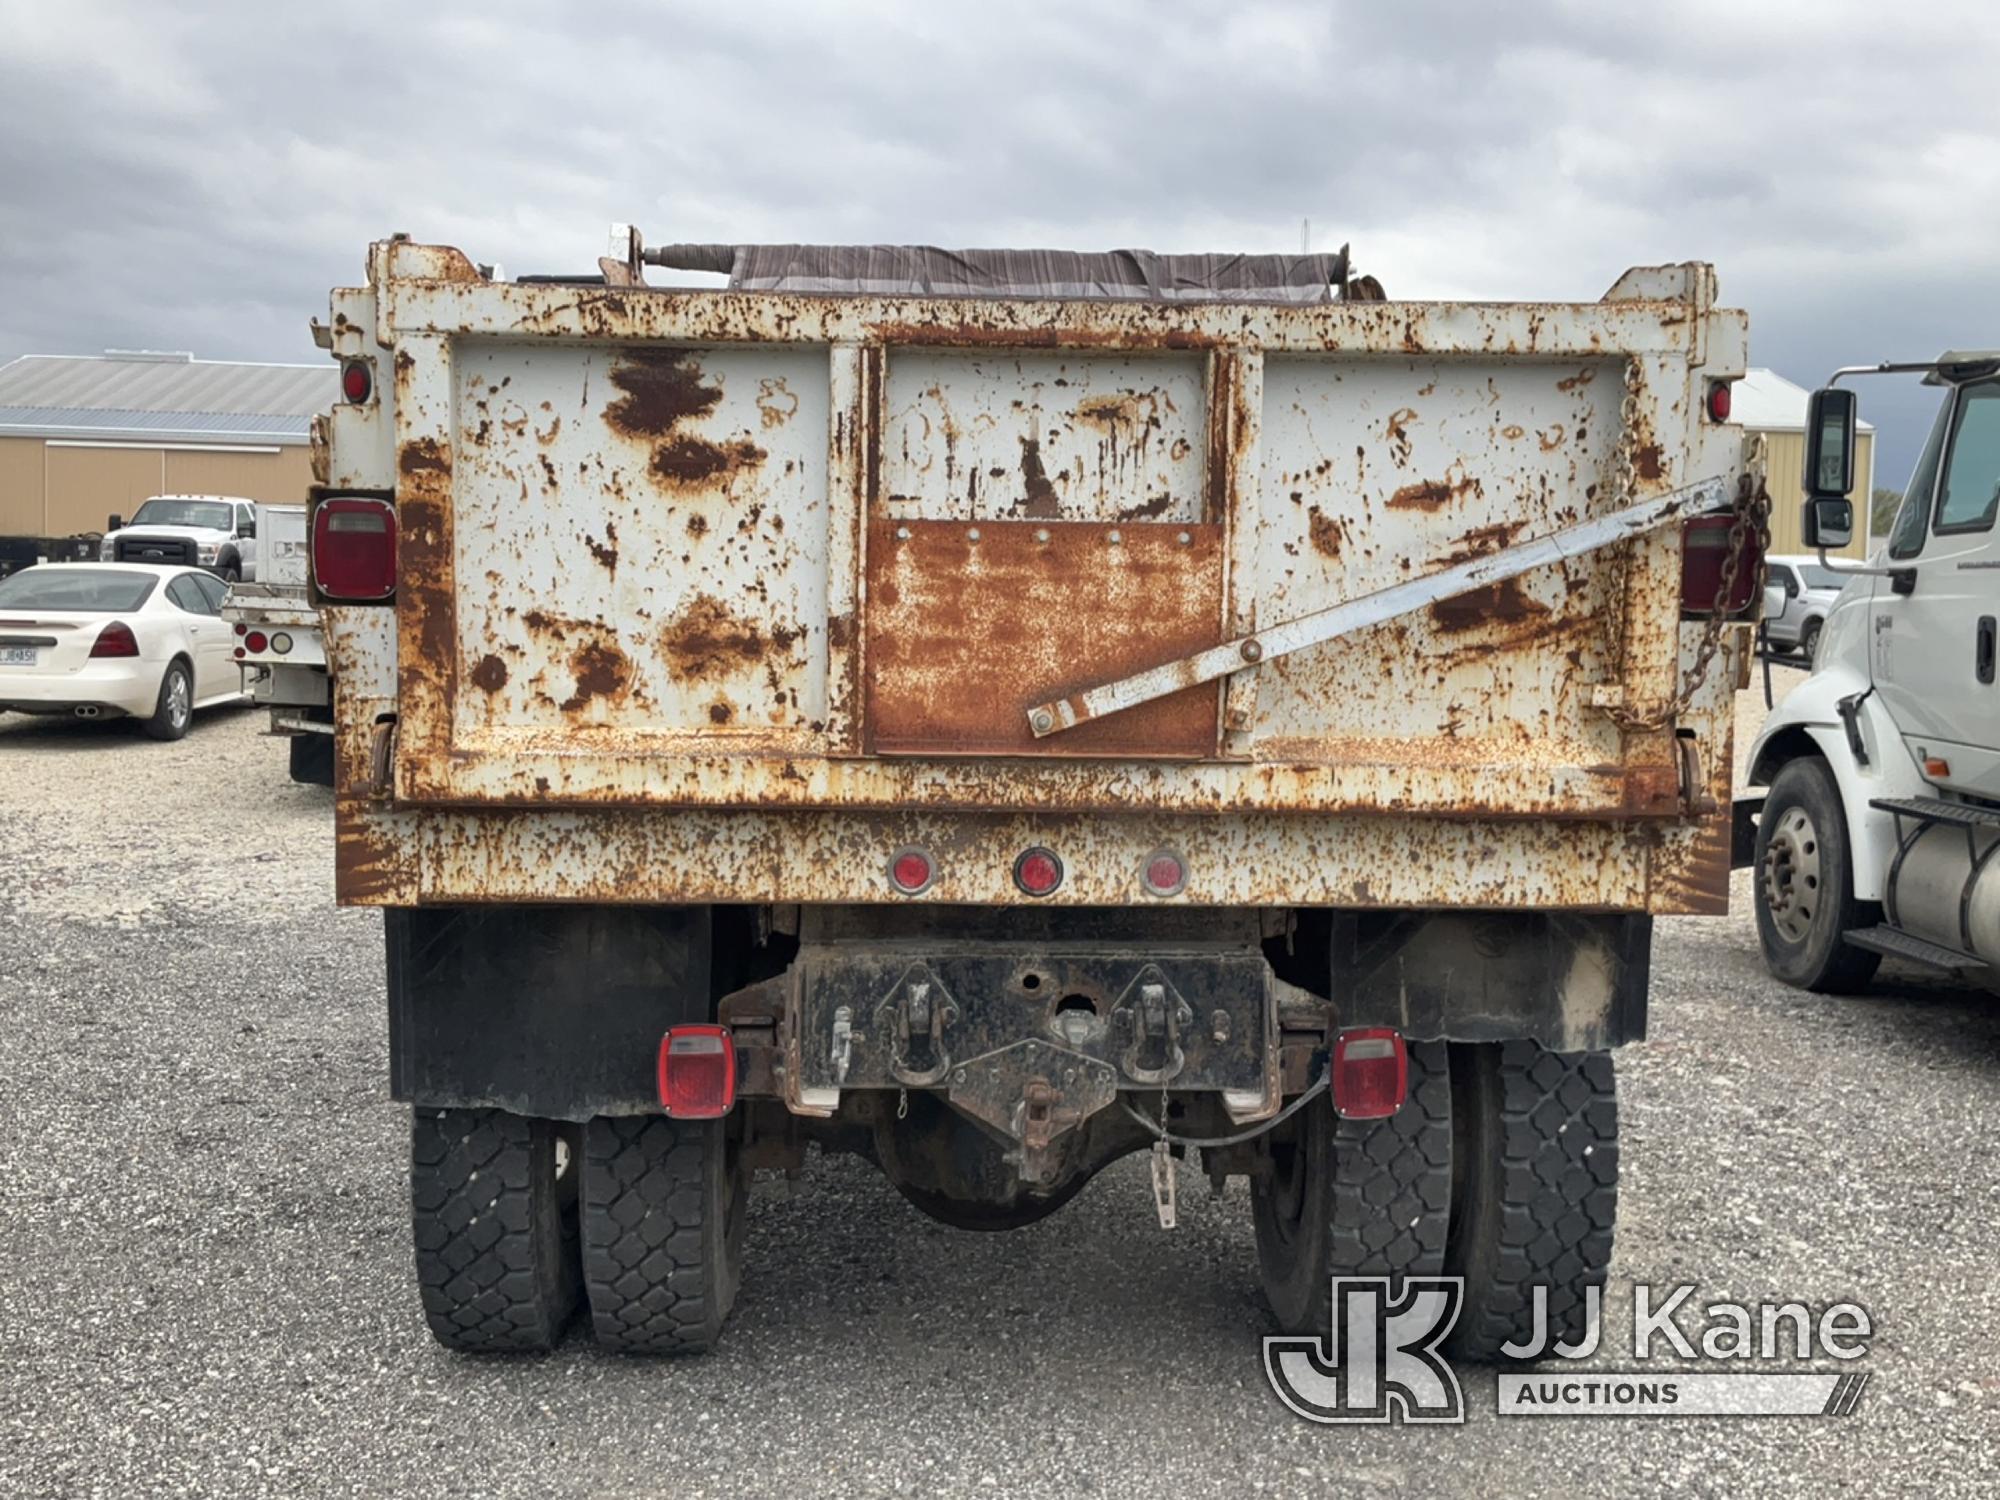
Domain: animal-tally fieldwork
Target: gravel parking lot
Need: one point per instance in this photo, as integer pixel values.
(205, 1285)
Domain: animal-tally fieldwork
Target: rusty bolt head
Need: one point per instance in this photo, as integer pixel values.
(1114, 538)
(902, 533)
(1186, 537)
(972, 533)
(1041, 533)
(959, 1076)
(1041, 721)
(1252, 651)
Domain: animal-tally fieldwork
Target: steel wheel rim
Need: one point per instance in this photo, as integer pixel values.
(179, 702)
(1793, 891)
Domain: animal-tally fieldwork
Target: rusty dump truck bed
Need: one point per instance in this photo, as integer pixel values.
(729, 595)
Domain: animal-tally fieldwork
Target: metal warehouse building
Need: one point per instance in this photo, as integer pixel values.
(83, 436)
(1766, 402)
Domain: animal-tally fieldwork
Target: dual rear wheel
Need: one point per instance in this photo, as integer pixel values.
(1501, 1168)
(518, 1221)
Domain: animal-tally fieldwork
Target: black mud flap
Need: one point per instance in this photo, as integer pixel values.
(1743, 817)
(1572, 982)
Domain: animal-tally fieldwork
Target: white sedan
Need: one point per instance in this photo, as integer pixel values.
(107, 640)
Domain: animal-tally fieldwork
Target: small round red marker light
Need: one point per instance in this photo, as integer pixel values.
(911, 871)
(1164, 874)
(1038, 871)
(357, 382)
(1719, 400)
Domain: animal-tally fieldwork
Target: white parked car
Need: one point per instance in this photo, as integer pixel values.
(107, 640)
(216, 532)
(1810, 589)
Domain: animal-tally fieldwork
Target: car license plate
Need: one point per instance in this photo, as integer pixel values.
(17, 656)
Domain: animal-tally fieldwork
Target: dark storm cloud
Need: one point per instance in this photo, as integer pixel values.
(196, 177)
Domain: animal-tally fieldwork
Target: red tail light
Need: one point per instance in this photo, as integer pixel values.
(255, 640)
(354, 549)
(357, 381)
(697, 1072)
(1719, 401)
(1704, 549)
(1371, 1073)
(1164, 874)
(1038, 871)
(911, 871)
(115, 639)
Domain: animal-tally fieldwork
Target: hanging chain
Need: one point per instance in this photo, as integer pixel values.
(1751, 513)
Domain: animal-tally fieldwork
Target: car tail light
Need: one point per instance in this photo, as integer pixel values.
(697, 1072)
(911, 871)
(255, 640)
(357, 381)
(1371, 1073)
(1164, 874)
(354, 549)
(115, 639)
(1719, 401)
(1704, 549)
(1038, 871)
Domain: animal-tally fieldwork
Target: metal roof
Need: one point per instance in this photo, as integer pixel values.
(1764, 401)
(147, 397)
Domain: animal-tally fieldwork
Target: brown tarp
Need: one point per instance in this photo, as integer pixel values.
(925, 271)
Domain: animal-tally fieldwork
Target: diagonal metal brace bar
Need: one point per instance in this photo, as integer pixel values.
(1372, 609)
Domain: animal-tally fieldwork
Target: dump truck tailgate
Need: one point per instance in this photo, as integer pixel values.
(711, 549)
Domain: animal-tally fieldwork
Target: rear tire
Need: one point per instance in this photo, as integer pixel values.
(663, 1204)
(493, 1210)
(1534, 1190)
(1804, 894)
(173, 711)
(1354, 1197)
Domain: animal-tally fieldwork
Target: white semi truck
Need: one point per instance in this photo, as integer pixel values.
(1878, 832)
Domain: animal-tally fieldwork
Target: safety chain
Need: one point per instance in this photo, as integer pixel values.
(1750, 509)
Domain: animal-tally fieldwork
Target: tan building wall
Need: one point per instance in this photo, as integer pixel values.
(1785, 459)
(20, 486)
(57, 489)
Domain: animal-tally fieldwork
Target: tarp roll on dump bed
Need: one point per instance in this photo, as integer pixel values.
(926, 271)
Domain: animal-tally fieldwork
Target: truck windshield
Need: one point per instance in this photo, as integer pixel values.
(212, 515)
(88, 589)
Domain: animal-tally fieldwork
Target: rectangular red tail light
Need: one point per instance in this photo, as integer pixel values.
(354, 549)
(1704, 551)
(1371, 1073)
(697, 1072)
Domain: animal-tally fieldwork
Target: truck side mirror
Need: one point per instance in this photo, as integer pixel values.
(1828, 521)
(1829, 445)
(114, 522)
(247, 530)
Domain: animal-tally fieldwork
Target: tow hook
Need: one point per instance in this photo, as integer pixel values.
(1154, 1024)
(1695, 796)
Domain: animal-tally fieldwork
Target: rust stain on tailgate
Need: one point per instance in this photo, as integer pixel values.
(966, 632)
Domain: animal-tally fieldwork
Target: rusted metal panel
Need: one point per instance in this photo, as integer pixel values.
(645, 564)
(969, 625)
(1043, 437)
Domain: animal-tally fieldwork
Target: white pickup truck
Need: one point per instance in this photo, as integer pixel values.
(1880, 830)
(999, 711)
(279, 646)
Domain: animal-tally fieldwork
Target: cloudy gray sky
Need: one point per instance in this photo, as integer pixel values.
(195, 176)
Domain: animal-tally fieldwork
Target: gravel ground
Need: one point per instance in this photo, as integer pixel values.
(205, 1285)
